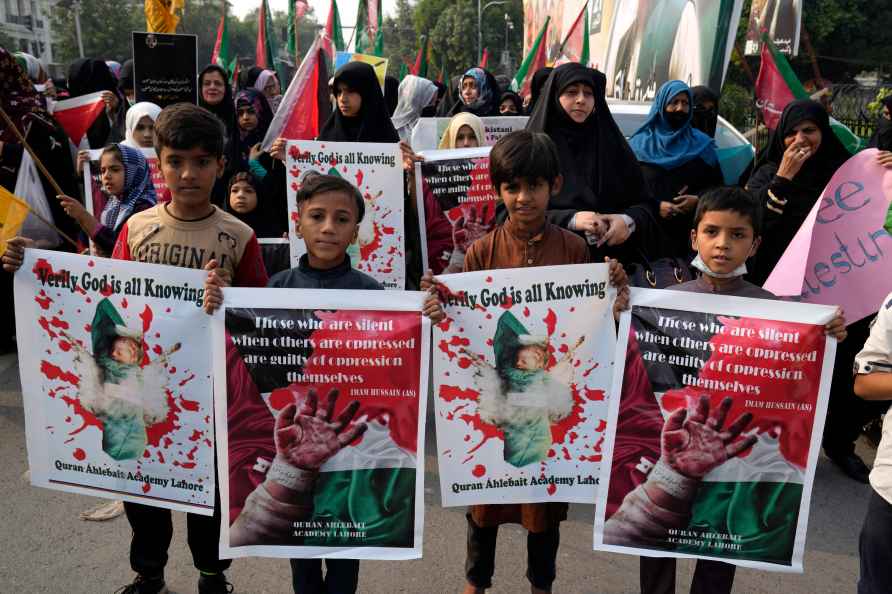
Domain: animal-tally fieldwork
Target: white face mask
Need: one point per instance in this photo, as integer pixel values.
(700, 265)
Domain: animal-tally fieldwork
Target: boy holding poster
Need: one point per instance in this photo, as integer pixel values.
(189, 232)
(727, 226)
(525, 173)
(331, 210)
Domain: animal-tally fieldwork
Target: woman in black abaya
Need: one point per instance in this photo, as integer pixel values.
(604, 195)
(361, 114)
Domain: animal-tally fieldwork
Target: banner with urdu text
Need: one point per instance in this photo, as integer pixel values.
(376, 169)
(116, 379)
(521, 369)
(320, 407)
(715, 427)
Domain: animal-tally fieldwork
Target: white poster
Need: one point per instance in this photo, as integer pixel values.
(320, 409)
(429, 131)
(115, 371)
(521, 368)
(376, 169)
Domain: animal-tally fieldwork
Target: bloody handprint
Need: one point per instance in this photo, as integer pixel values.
(695, 445)
(470, 227)
(307, 438)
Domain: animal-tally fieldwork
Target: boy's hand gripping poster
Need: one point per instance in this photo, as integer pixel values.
(116, 379)
(320, 404)
(715, 428)
(522, 365)
(376, 169)
(456, 205)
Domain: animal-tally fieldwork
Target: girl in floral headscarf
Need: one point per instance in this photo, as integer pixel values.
(254, 116)
(478, 93)
(127, 184)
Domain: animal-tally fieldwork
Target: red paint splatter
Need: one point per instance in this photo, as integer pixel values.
(187, 380)
(196, 435)
(450, 393)
(106, 290)
(594, 395)
(526, 312)
(146, 316)
(146, 487)
(43, 300)
(52, 372)
(552, 489)
(479, 470)
(124, 303)
(79, 454)
(188, 465)
(155, 432)
(550, 320)
(190, 405)
(157, 349)
(88, 418)
(65, 346)
(359, 176)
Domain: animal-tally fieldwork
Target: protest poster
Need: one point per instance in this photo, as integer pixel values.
(94, 196)
(376, 169)
(428, 132)
(165, 68)
(116, 379)
(456, 205)
(334, 383)
(781, 20)
(838, 256)
(521, 368)
(376, 62)
(715, 428)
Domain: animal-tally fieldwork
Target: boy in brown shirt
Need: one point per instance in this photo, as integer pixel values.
(525, 172)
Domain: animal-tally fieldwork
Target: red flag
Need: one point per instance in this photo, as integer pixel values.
(772, 91)
(260, 51)
(305, 105)
(78, 114)
(485, 58)
(575, 45)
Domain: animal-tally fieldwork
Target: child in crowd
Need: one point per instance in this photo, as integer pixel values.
(128, 189)
(139, 128)
(873, 381)
(525, 172)
(727, 232)
(190, 232)
(331, 210)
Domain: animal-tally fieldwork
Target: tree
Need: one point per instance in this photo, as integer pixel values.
(400, 38)
(105, 28)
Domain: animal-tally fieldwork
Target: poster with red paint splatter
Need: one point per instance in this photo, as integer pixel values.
(94, 196)
(521, 368)
(715, 429)
(376, 169)
(456, 205)
(320, 408)
(116, 381)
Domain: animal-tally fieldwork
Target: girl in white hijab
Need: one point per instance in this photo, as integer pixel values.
(268, 83)
(139, 125)
(415, 93)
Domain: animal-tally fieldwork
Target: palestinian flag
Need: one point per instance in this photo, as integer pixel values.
(369, 28)
(422, 59)
(78, 114)
(296, 11)
(532, 62)
(777, 85)
(484, 59)
(265, 54)
(305, 105)
(334, 36)
(234, 71)
(575, 45)
(220, 55)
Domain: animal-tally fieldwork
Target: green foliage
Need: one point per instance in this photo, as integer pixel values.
(735, 104)
(876, 106)
(105, 28)
(400, 39)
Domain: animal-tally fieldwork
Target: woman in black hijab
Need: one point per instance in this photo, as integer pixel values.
(801, 157)
(539, 78)
(215, 95)
(882, 136)
(510, 104)
(88, 75)
(361, 114)
(391, 93)
(603, 195)
(706, 110)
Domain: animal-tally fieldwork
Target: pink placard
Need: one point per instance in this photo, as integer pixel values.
(842, 255)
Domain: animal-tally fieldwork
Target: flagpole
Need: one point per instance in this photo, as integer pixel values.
(43, 170)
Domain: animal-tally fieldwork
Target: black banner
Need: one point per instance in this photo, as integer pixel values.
(165, 68)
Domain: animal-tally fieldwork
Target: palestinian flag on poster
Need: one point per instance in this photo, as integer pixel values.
(78, 114)
(305, 104)
(333, 39)
(369, 28)
(575, 45)
(532, 62)
(220, 55)
(777, 85)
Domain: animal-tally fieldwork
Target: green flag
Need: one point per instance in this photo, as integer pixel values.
(220, 55)
(369, 28)
(404, 71)
(584, 56)
(532, 62)
(333, 28)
